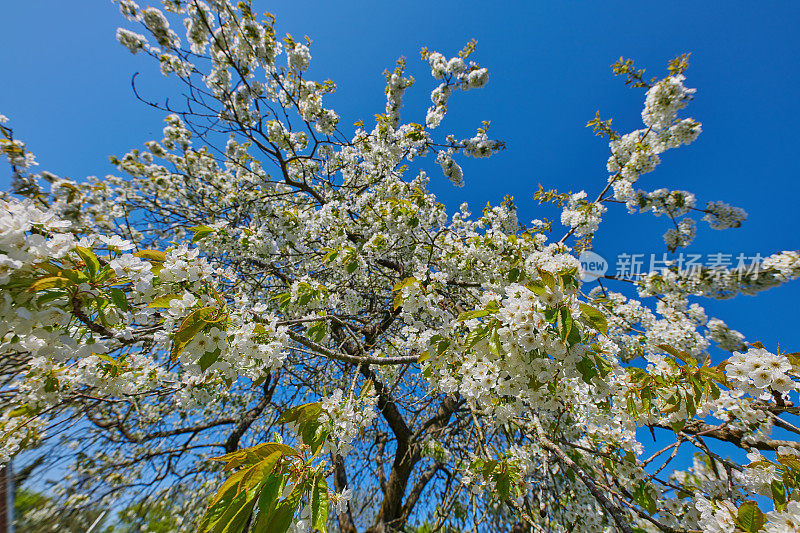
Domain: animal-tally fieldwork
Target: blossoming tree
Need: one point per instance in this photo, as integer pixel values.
(269, 322)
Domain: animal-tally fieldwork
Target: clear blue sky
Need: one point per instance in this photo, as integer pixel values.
(66, 88)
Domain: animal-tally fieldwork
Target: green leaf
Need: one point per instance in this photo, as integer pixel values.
(441, 344)
(678, 425)
(240, 519)
(564, 322)
(468, 315)
(713, 373)
(301, 413)
(488, 467)
(20, 411)
(200, 232)
(474, 336)
(566, 279)
(50, 282)
(314, 436)
(50, 384)
(366, 388)
(778, 494)
(152, 255)
(230, 516)
(643, 497)
(587, 369)
(318, 331)
(547, 278)
(595, 317)
(233, 504)
(751, 519)
(503, 484)
(49, 268)
(683, 356)
(673, 403)
(75, 276)
(307, 419)
(242, 481)
(284, 512)
(255, 454)
(267, 501)
(351, 267)
(602, 365)
(91, 261)
(691, 408)
(330, 255)
(319, 505)
(645, 397)
(162, 302)
(191, 326)
(574, 336)
(631, 406)
(696, 381)
(790, 461)
(214, 513)
(407, 282)
(494, 342)
(49, 296)
(226, 491)
(257, 474)
(208, 359)
(536, 287)
(119, 298)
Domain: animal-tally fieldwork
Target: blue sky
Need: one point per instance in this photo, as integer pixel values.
(66, 89)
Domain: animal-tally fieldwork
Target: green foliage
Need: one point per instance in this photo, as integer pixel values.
(271, 480)
(29, 503)
(602, 128)
(262, 473)
(679, 64)
(153, 517)
(750, 518)
(686, 386)
(309, 429)
(633, 77)
(193, 324)
(551, 196)
(201, 232)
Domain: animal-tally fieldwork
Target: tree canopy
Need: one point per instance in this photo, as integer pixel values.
(268, 322)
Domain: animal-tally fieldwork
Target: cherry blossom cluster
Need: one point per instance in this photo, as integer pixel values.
(664, 100)
(664, 202)
(345, 417)
(582, 216)
(722, 283)
(722, 216)
(454, 73)
(758, 371)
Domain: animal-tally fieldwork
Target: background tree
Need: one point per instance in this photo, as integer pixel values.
(267, 285)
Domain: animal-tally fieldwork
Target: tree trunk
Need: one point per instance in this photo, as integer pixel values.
(405, 459)
(6, 501)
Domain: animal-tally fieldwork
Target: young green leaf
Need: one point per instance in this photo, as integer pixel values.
(91, 261)
(319, 504)
(750, 517)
